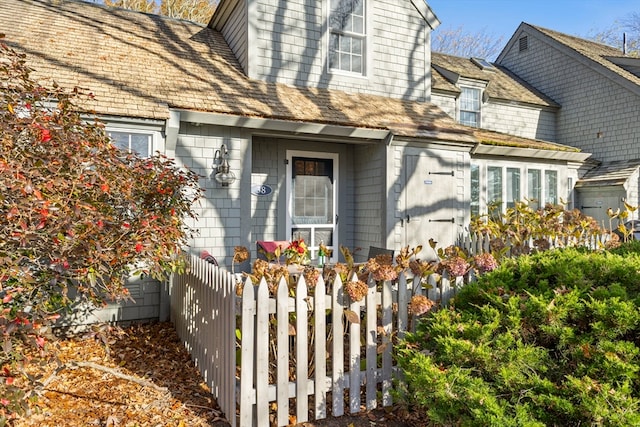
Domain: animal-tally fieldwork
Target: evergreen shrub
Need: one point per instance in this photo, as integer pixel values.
(549, 339)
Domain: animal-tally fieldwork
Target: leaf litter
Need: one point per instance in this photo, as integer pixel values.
(120, 377)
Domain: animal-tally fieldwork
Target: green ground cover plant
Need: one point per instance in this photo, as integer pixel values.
(548, 339)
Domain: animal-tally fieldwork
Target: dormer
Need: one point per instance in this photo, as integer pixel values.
(363, 46)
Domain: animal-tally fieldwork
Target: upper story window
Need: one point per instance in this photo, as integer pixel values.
(470, 106)
(347, 35)
(141, 143)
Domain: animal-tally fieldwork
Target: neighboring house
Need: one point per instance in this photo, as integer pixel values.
(487, 96)
(323, 107)
(598, 90)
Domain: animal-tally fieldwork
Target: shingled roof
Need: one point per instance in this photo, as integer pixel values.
(501, 83)
(141, 65)
(604, 55)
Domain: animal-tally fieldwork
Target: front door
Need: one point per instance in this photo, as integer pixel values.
(312, 199)
(430, 198)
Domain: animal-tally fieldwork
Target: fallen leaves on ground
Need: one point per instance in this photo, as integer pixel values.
(136, 376)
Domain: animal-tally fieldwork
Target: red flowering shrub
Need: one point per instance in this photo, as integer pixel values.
(75, 211)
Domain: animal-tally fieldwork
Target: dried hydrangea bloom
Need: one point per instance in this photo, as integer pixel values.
(421, 267)
(311, 275)
(356, 290)
(485, 262)
(455, 266)
(240, 254)
(385, 272)
(420, 304)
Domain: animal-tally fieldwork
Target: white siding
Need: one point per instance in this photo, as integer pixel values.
(591, 104)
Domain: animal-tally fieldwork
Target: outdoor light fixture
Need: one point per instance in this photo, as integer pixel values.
(222, 172)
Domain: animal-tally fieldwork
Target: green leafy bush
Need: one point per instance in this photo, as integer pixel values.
(547, 339)
(75, 213)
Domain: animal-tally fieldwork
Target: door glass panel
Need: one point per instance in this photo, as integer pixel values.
(312, 195)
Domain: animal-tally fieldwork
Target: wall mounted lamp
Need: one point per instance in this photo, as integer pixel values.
(222, 172)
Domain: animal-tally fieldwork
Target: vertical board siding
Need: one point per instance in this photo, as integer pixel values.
(296, 342)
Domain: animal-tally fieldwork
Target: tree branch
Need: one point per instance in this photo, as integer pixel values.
(111, 371)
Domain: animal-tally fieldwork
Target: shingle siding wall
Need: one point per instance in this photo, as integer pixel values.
(291, 46)
(235, 33)
(519, 120)
(264, 209)
(590, 102)
(527, 122)
(368, 205)
(220, 210)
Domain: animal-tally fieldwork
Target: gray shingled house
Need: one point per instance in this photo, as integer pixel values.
(488, 96)
(598, 90)
(324, 114)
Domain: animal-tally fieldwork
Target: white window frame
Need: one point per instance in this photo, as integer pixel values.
(353, 35)
(476, 111)
(154, 143)
(524, 187)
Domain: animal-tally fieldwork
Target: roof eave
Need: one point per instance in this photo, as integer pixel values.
(533, 153)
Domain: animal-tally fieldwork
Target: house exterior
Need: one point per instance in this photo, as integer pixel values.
(488, 96)
(323, 111)
(598, 90)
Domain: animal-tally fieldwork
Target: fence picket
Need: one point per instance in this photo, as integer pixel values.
(387, 320)
(320, 349)
(262, 352)
(337, 361)
(354, 357)
(282, 321)
(371, 346)
(247, 393)
(302, 354)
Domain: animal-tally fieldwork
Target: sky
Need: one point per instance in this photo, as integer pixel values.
(500, 18)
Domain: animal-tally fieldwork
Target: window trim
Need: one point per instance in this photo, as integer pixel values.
(365, 61)
(524, 186)
(155, 135)
(478, 113)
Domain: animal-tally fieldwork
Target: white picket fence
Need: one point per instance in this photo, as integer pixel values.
(303, 352)
(478, 243)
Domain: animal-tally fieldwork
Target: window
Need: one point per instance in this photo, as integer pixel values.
(475, 191)
(470, 106)
(534, 183)
(140, 143)
(551, 187)
(494, 189)
(347, 35)
(513, 187)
